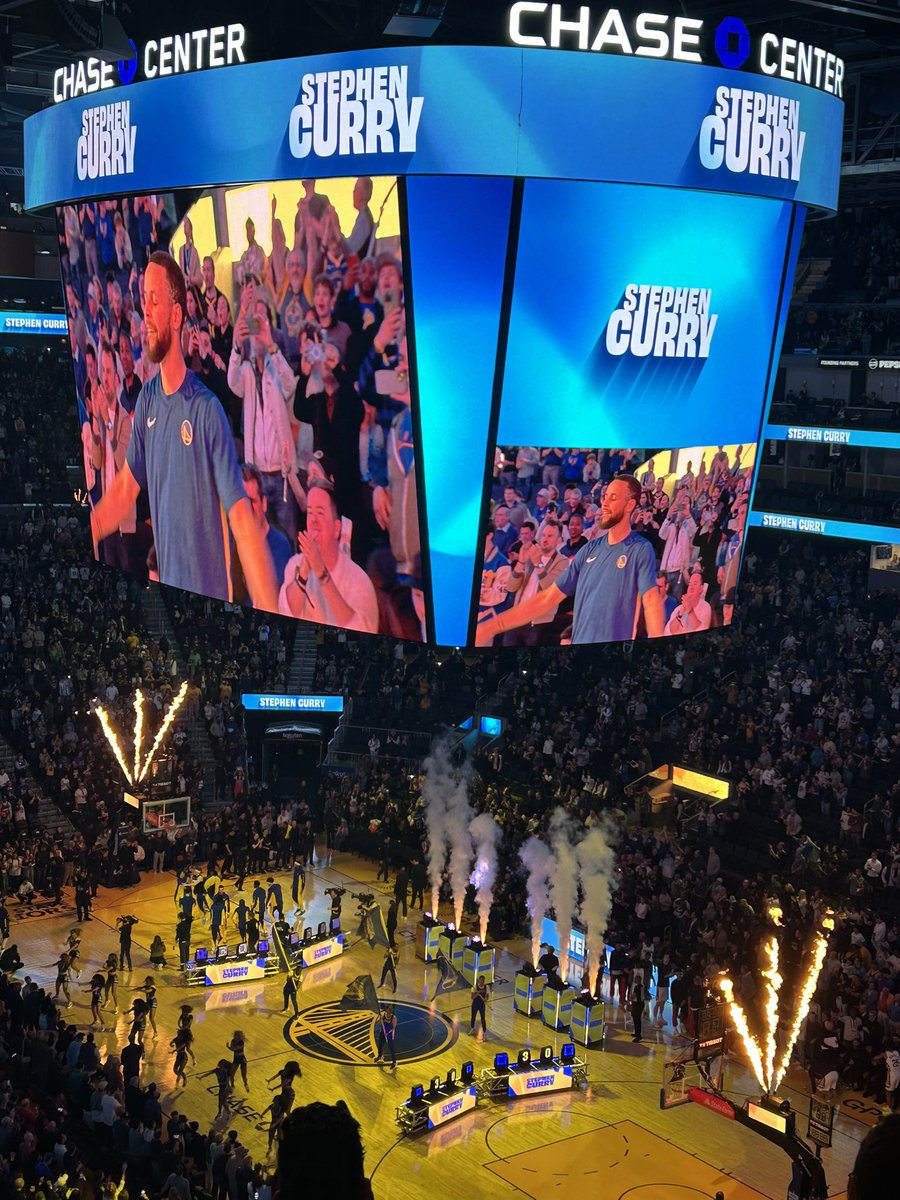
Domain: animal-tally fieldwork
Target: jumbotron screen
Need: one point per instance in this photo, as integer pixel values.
(473, 367)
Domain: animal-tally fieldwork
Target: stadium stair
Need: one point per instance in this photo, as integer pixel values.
(156, 619)
(302, 671)
(50, 816)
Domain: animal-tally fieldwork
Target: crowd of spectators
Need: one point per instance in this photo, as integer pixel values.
(305, 349)
(546, 506)
(797, 704)
(36, 425)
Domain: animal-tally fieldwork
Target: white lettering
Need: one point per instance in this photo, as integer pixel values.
(366, 111)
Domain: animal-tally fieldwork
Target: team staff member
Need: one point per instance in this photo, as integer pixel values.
(182, 454)
(611, 578)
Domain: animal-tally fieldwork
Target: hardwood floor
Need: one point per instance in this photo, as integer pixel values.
(611, 1138)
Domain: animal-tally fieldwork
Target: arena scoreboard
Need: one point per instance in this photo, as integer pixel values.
(451, 269)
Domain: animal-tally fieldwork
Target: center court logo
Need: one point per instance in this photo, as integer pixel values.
(366, 111)
(350, 1035)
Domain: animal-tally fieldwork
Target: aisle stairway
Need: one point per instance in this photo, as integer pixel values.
(49, 815)
(302, 670)
(156, 618)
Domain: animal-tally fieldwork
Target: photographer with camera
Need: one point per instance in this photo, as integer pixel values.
(124, 925)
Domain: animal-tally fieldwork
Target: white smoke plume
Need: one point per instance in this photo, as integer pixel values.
(485, 834)
(457, 818)
(538, 862)
(564, 881)
(435, 786)
(596, 869)
(447, 817)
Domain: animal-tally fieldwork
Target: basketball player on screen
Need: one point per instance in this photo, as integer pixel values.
(182, 454)
(612, 578)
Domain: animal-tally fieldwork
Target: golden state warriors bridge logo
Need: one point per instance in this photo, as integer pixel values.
(350, 1035)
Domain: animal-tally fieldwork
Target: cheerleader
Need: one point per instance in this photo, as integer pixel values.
(110, 987)
(237, 1047)
(185, 1023)
(181, 1045)
(151, 1002)
(95, 987)
(139, 1022)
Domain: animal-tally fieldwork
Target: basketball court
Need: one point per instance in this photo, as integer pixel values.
(612, 1138)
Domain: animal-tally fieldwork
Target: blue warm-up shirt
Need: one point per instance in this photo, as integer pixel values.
(182, 454)
(608, 583)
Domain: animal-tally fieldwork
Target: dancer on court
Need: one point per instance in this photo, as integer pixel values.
(111, 985)
(95, 987)
(479, 1006)
(139, 1022)
(222, 1072)
(237, 1048)
(63, 969)
(151, 1002)
(279, 1112)
(181, 1046)
(185, 1025)
(387, 1034)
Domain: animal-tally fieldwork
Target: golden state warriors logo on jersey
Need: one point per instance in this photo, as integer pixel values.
(621, 561)
(349, 1035)
(187, 432)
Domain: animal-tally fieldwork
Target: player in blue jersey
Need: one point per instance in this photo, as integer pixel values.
(182, 455)
(612, 578)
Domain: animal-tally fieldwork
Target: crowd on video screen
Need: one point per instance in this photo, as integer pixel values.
(296, 492)
(589, 545)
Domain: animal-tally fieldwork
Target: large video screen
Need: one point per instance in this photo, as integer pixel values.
(639, 317)
(242, 374)
(596, 545)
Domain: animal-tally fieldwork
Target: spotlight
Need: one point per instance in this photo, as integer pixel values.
(416, 19)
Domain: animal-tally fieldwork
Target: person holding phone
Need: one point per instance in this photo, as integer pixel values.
(266, 384)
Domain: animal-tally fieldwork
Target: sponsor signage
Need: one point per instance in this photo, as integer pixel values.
(421, 110)
(319, 952)
(823, 527)
(256, 702)
(716, 1104)
(679, 39)
(836, 364)
(235, 972)
(220, 46)
(30, 322)
(449, 1109)
(532, 1083)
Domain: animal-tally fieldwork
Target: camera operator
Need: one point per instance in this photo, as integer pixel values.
(125, 924)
